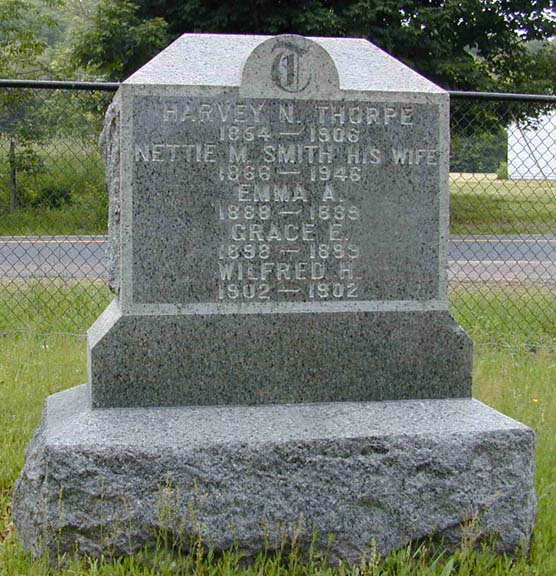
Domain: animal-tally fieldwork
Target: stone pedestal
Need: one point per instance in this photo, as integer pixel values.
(358, 473)
(365, 353)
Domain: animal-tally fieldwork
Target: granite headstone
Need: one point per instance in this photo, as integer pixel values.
(282, 232)
(279, 360)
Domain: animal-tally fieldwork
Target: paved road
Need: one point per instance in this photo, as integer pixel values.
(529, 258)
(521, 258)
(52, 256)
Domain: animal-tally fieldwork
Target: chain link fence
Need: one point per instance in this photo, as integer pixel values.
(53, 206)
(53, 210)
(502, 249)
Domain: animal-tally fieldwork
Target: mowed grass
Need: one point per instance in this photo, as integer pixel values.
(506, 315)
(47, 306)
(483, 204)
(514, 371)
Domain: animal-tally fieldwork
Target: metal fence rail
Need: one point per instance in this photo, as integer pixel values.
(53, 210)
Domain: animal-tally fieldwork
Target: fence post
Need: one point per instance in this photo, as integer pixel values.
(13, 176)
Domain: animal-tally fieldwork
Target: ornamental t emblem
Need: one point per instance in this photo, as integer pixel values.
(289, 68)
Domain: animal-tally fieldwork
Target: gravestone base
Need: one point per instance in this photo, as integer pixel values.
(358, 475)
(285, 358)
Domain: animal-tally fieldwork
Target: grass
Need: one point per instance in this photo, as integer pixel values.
(506, 315)
(510, 373)
(482, 204)
(57, 305)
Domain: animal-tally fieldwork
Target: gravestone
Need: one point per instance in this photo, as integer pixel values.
(283, 240)
(279, 358)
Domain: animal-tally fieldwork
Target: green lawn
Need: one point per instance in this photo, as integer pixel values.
(43, 307)
(506, 314)
(514, 372)
(482, 204)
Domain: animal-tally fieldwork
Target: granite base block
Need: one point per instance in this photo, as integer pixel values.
(356, 474)
(208, 359)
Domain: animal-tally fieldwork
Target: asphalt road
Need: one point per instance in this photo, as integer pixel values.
(521, 258)
(52, 256)
(530, 258)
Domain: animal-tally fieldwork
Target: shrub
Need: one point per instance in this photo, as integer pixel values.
(502, 172)
(53, 196)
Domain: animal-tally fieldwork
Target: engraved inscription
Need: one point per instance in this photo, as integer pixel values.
(286, 216)
(284, 196)
(289, 72)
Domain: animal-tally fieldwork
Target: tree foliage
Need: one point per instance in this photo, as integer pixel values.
(21, 22)
(460, 44)
(117, 41)
(542, 69)
(21, 49)
(479, 152)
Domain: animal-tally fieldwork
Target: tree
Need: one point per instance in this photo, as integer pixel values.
(20, 57)
(460, 44)
(21, 45)
(116, 41)
(543, 67)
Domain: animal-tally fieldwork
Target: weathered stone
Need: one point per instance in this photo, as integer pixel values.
(110, 144)
(379, 473)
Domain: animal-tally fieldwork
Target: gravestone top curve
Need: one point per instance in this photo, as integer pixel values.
(218, 60)
(299, 68)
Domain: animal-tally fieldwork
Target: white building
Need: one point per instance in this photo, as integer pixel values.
(532, 149)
